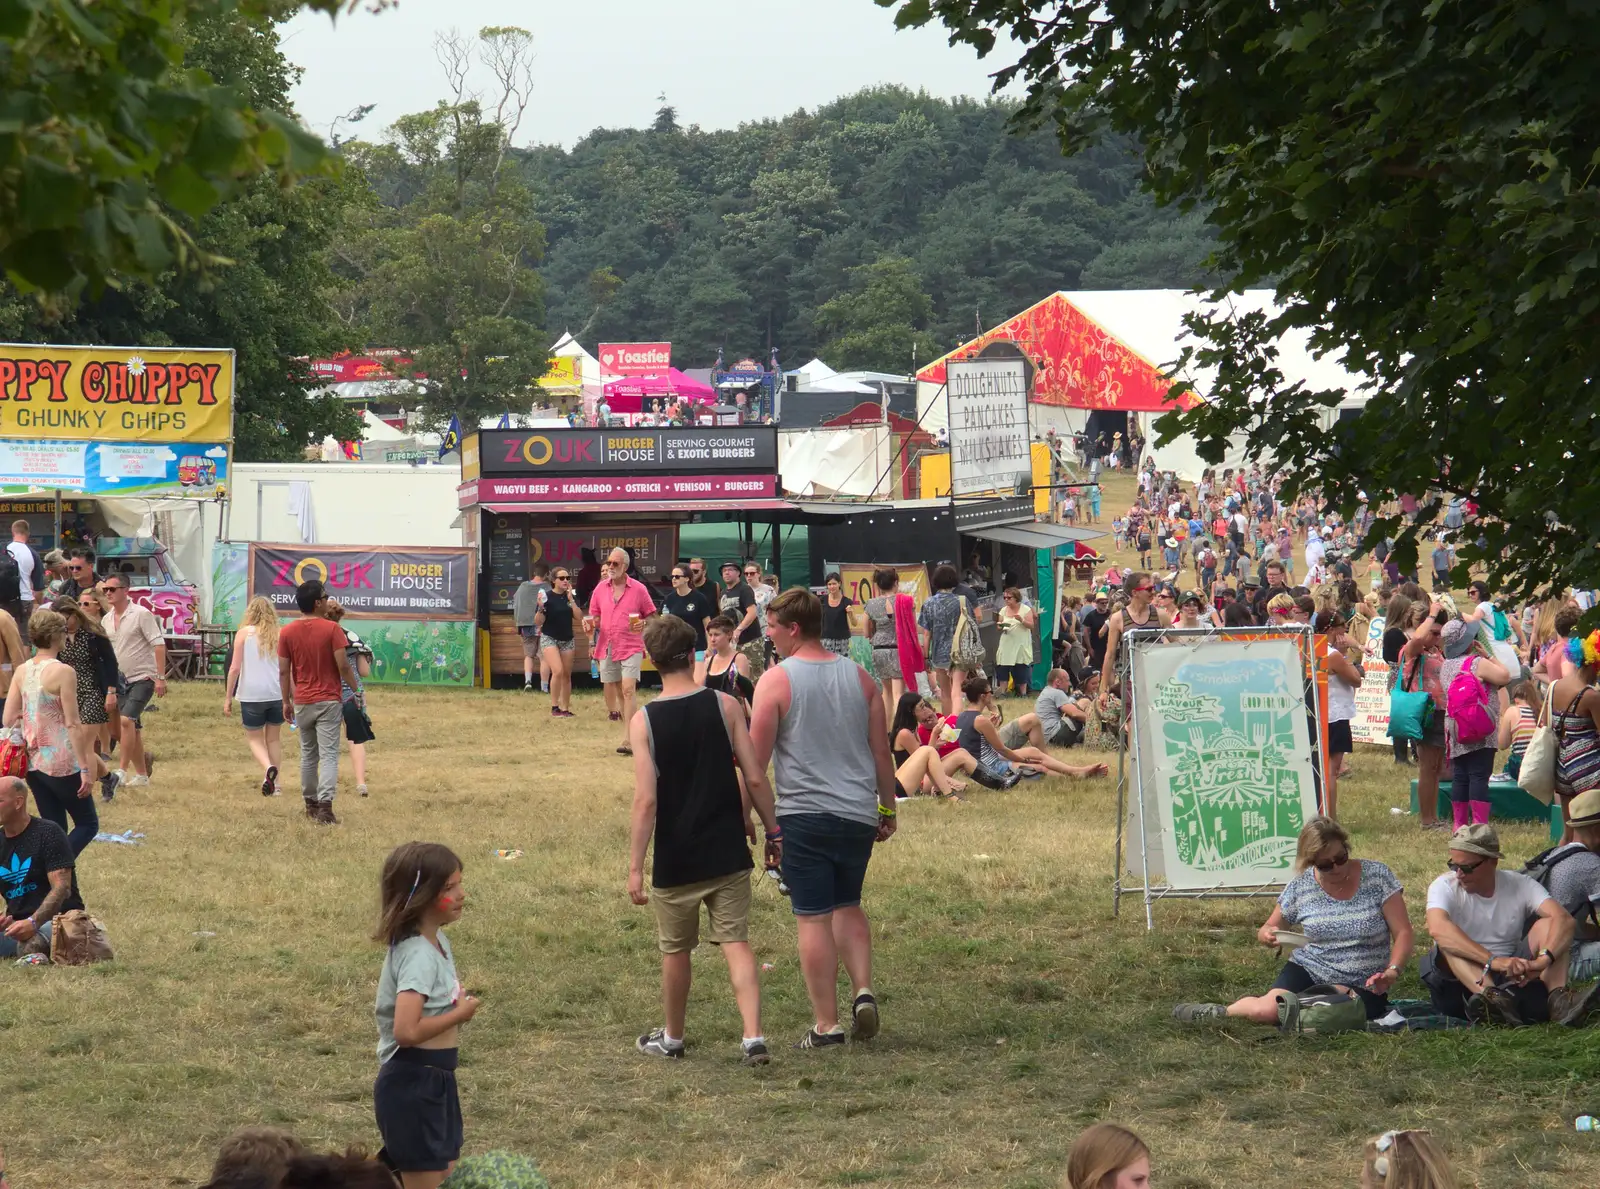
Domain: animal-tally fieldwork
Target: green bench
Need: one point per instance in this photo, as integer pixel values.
(1507, 801)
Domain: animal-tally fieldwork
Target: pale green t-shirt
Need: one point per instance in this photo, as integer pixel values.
(415, 965)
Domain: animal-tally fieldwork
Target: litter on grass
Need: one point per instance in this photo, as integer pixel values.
(126, 838)
(512, 853)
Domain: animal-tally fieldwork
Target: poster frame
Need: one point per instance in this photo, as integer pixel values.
(1134, 791)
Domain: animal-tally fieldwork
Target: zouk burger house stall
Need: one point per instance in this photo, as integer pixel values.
(567, 497)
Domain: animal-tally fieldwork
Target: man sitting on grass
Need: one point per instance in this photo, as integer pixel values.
(1478, 916)
(1572, 873)
(1058, 717)
(36, 874)
(689, 745)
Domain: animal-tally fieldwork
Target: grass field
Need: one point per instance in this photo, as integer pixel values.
(1016, 1009)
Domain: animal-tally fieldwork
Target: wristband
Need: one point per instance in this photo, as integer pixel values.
(773, 835)
(884, 811)
(1546, 953)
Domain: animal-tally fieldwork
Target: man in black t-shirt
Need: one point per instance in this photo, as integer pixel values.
(695, 607)
(738, 603)
(689, 747)
(36, 876)
(700, 580)
(1093, 621)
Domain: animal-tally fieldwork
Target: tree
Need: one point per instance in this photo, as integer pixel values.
(106, 132)
(878, 324)
(1417, 180)
(736, 237)
(268, 302)
(445, 268)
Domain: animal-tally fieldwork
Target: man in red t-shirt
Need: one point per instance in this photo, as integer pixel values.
(311, 664)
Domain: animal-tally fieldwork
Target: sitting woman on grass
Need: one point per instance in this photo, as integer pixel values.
(980, 736)
(1351, 914)
(924, 765)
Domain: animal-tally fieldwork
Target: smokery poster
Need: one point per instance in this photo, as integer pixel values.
(1223, 750)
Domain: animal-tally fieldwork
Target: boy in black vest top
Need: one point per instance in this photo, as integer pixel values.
(689, 747)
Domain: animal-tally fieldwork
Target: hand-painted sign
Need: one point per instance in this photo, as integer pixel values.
(117, 394)
(371, 582)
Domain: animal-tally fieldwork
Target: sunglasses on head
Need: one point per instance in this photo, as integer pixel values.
(1337, 861)
(1465, 868)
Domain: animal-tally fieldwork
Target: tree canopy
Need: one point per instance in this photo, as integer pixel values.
(741, 238)
(269, 301)
(1417, 181)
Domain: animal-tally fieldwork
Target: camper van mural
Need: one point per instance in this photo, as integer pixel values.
(153, 578)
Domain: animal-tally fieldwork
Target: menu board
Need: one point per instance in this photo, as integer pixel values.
(507, 560)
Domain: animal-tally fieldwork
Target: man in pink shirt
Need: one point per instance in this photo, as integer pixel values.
(617, 611)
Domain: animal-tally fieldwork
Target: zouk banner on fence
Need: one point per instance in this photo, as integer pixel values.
(370, 581)
(1223, 757)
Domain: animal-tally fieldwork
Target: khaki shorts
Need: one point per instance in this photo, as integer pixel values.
(530, 642)
(612, 671)
(727, 901)
(1012, 735)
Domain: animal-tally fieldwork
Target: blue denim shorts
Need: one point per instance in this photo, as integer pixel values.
(824, 861)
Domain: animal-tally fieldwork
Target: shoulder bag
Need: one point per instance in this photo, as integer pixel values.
(1410, 711)
(966, 650)
(1537, 776)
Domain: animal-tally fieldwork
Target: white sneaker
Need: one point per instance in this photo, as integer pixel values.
(137, 781)
(361, 789)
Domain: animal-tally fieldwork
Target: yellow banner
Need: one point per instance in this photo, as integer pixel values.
(856, 578)
(562, 372)
(118, 394)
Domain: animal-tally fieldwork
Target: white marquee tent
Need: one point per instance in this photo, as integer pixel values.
(1149, 323)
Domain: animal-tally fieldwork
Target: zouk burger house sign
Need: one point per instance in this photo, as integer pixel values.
(370, 581)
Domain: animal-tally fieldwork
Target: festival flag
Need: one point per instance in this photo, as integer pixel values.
(452, 437)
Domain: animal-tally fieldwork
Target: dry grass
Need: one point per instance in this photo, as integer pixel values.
(1016, 1010)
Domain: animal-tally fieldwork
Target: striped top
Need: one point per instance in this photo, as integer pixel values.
(1523, 734)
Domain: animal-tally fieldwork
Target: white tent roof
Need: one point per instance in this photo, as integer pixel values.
(375, 429)
(817, 376)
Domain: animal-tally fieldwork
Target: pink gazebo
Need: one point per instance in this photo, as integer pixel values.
(628, 395)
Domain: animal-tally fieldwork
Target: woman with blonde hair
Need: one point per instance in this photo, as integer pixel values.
(1406, 1160)
(1108, 1156)
(253, 679)
(1350, 918)
(43, 703)
(94, 605)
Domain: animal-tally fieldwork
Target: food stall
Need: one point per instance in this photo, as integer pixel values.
(569, 496)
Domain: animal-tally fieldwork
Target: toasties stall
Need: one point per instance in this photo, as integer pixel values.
(568, 497)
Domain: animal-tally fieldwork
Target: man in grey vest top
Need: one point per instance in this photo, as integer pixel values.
(819, 718)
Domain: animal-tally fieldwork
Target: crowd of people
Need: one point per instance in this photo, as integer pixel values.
(753, 680)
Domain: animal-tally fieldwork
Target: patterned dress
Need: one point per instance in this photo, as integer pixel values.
(78, 651)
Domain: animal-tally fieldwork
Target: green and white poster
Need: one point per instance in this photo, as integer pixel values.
(1223, 759)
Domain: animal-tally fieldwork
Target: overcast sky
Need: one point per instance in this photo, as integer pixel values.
(603, 63)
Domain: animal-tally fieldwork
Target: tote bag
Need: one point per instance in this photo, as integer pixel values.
(1410, 711)
(1537, 776)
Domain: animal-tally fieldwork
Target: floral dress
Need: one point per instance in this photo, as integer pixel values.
(938, 617)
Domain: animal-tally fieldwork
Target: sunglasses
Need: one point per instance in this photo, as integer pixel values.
(1465, 868)
(697, 570)
(1143, 589)
(617, 565)
(1339, 861)
(563, 578)
(685, 577)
